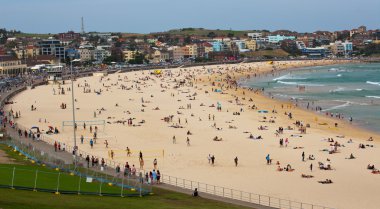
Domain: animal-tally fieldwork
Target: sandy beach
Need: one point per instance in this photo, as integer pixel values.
(206, 113)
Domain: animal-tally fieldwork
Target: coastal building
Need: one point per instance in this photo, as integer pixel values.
(177, 53)
(316, 52)
(160, 56)
(192, 50)
(100, 53)
(278, 38)
(52, 47)
(85, 54)
(337, 48)
(69, 36)
(300, 45)
(217, 46)
(251, 44)
(348, 47)
(11, 65)
(129, 54)
(255, 36)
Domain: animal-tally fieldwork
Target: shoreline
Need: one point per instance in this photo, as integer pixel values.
(320, 115)
(359, 125)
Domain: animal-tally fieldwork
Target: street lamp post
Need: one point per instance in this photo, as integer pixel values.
(73, 103)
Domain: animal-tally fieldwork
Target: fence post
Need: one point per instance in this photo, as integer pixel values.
(59, 175)
(80, 181)
(122, 186)
(100, 187)
(259, 199)
(13, 177)
(35, 181)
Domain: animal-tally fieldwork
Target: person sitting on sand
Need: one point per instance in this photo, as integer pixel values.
(370, 139)
(189, 133)
(279, 168)
(351, 156)
(370, 167)
(251, 136)
(217, 139)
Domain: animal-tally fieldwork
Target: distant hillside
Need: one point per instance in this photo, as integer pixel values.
(208, 32)
(31, 35)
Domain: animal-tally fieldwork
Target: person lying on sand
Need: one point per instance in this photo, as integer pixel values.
(327, 181)
(375, 171)
(307, 176)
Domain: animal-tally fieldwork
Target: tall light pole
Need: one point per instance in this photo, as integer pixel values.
(73, 103)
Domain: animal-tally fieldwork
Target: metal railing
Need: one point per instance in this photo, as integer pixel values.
(234, 194)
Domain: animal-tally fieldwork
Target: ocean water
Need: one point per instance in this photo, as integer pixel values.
(350, 90)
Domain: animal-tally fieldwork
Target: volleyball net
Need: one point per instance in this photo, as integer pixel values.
(81, 123)
(147, 154)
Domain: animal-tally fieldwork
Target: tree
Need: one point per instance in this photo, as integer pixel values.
(139, 59)
(188, 40)
(211, 35)
(230, 35)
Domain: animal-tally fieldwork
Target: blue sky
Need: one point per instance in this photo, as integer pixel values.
(143, 16)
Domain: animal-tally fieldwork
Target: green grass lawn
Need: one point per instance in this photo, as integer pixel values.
(47, 179)
(16, 199)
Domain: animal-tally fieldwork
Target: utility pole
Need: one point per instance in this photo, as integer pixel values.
(82, 27)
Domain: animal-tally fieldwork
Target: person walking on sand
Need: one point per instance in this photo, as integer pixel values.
(268, 159)
(174, 140)
(303, 156)
(213, 160)
(155, 163)
(236, 161)
(81, 139)
(209, 158)
(106, 143)
(311, 167)
(188, 141)
(91, 143)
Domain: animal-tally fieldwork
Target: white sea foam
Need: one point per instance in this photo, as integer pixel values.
(289, 77)
(346, 104)
(338, 89)
(373, 83)
(359, 89)
(375, 97)
(339, 75)
(299, 84)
